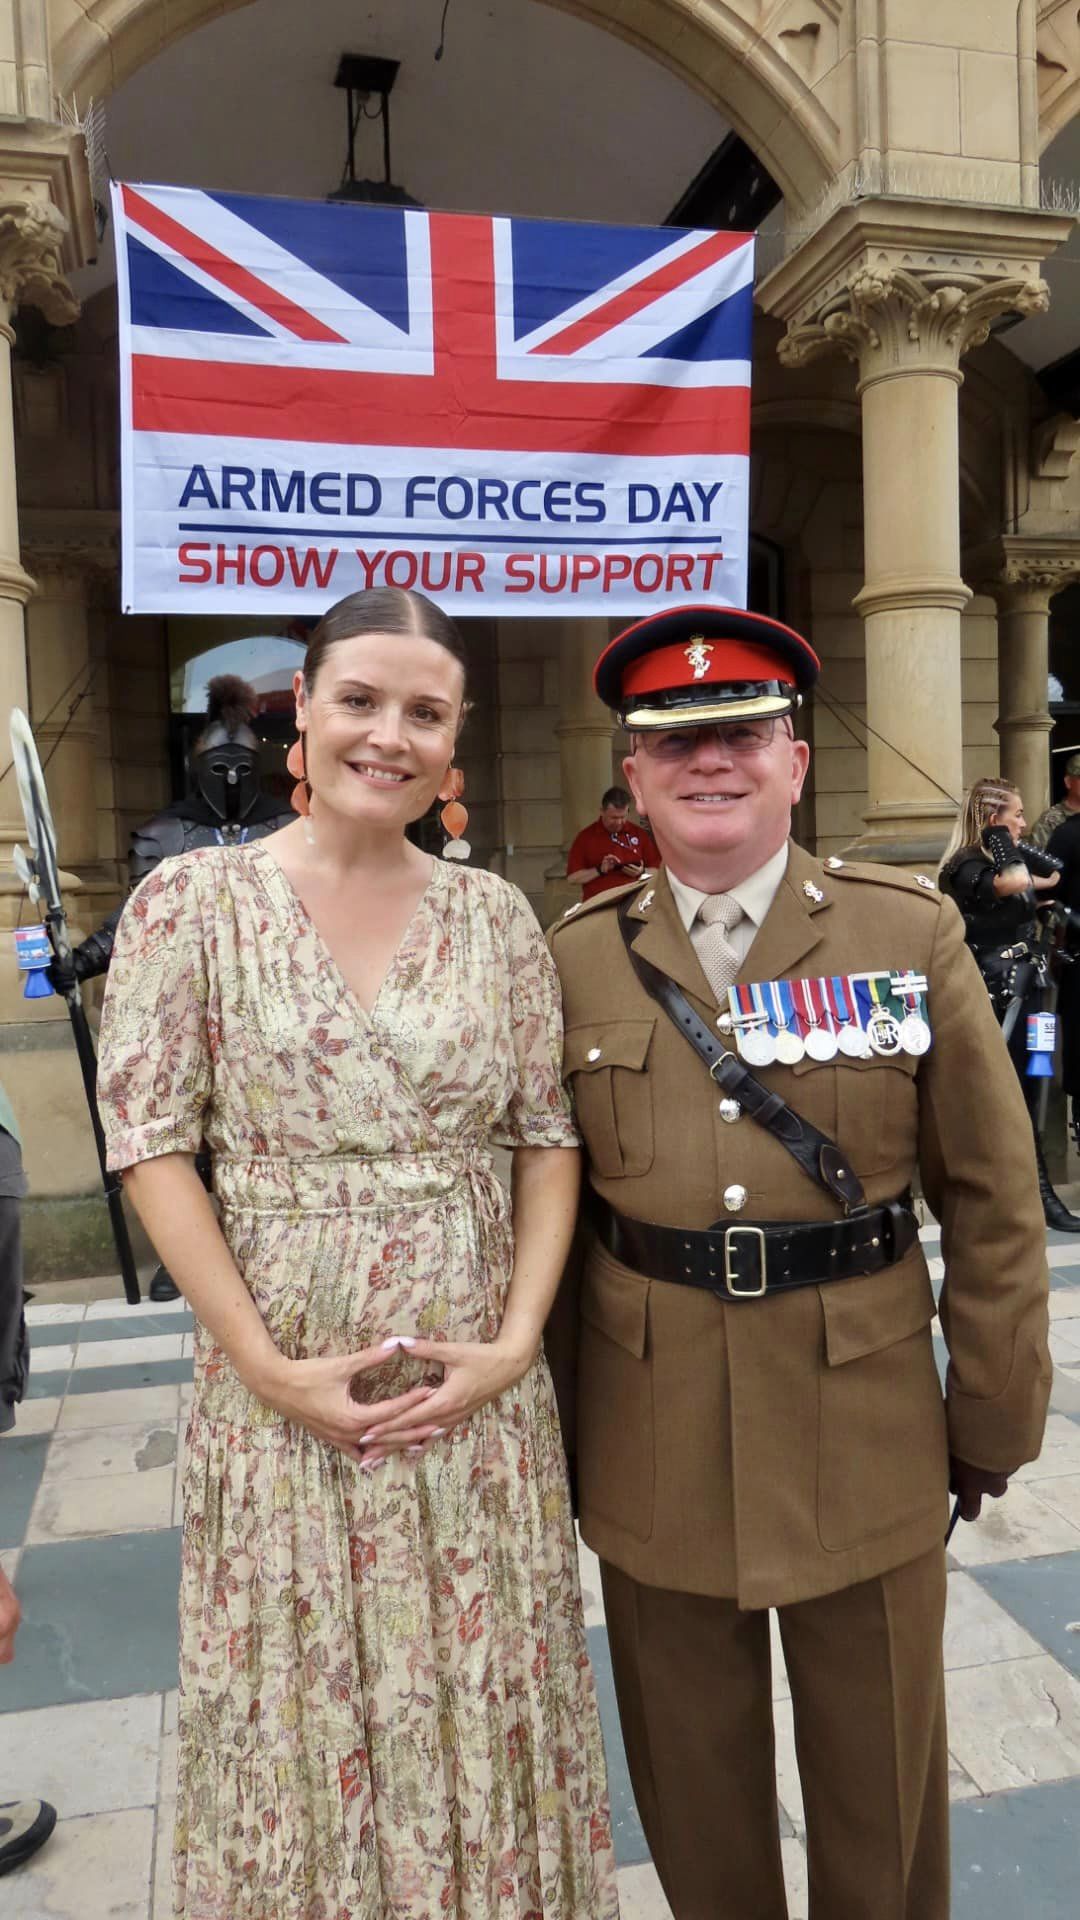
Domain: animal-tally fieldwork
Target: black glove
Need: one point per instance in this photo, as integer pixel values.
(1002, 848)
(62, 975)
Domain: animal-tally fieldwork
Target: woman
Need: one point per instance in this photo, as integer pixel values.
(386, 1702)
(998, 904)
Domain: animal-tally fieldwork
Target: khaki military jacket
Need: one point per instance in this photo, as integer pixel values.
(777, 1449)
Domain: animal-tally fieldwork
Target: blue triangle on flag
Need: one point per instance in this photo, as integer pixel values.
(557, 263)
(360, 249)
(724, 332)
(162, 296)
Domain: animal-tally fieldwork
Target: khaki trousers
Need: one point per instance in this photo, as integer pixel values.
(693, 1679)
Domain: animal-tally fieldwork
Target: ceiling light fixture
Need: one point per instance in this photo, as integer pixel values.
(362, 77)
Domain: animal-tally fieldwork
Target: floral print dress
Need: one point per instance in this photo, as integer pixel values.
(386, 1703)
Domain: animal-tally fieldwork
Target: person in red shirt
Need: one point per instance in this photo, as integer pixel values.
(612, 851)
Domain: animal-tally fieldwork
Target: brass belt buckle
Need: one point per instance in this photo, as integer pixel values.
(744, 1293)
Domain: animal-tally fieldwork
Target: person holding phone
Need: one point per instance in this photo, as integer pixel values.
(611, 850)
(386, 1702)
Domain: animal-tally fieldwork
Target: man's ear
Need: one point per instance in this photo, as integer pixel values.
(630, 770)
(800, 762)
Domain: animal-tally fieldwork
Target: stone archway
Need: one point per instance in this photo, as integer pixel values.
(760, 73)
(1057, 66)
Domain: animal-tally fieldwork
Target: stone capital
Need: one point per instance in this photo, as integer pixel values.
(32, 236)
(1025, 571)
(902, 286)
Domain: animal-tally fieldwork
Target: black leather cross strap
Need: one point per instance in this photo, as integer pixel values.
(816, 1154)
(748, 1260)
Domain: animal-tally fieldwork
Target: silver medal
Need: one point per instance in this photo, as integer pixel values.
(820, 1044)
(853, 1042)
(915, 1036)
(883, 1032)
(757, 1046)
(789, 1047)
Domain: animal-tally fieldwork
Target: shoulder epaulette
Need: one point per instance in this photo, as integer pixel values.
(610, 897)
(881, 876)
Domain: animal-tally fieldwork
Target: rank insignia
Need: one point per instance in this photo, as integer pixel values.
(922, 880)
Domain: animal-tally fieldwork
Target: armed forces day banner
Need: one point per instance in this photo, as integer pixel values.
(515, 416)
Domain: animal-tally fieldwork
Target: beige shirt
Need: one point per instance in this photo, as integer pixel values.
(755, 896)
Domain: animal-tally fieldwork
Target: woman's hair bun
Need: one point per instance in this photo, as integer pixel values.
(230, 700)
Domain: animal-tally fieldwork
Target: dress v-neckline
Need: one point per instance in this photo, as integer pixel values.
(332, 964)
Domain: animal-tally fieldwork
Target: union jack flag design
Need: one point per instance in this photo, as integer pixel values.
(517, 416)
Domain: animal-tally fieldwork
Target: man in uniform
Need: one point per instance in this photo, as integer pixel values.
(1065, 809)
(759, 1421)
(611, 850)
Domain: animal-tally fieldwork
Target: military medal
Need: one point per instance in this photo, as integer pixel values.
(789, 1046)
(752, 1037)
(850, 1038)
(915, 1035)
(882, 1026)
(819, 1040)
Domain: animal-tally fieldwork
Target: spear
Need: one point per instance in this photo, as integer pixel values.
(40, 873)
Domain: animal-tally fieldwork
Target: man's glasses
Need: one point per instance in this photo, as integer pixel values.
(732, 736)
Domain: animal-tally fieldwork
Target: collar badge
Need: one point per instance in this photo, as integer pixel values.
(812, 892)
(646, 901)
(699, 654)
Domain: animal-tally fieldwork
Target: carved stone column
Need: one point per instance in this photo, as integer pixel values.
(1024, 574)
(903, 291)
(60, 675)
(31, 236)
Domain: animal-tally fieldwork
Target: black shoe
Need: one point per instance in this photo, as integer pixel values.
(164, 1287)
(25, 1825)
(1055, 1213)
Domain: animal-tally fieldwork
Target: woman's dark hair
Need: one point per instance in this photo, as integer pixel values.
(381, 610)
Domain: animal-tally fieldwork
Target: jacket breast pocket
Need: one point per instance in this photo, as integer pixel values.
(869, 1107)
(605, 1064)
(882, 1448)
(616, 1469)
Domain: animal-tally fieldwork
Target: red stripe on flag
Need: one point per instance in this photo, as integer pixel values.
(633, 299)
(408, 410)
(269, 300)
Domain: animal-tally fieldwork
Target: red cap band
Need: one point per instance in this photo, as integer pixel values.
(703, 663)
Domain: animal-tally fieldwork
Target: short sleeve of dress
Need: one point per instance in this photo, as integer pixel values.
(539, 1112)
(154, 1063)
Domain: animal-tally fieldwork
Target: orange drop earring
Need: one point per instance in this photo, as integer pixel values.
(296, 764)
(454, 816)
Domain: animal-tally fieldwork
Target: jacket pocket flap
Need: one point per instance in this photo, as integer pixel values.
(875, 1310)
(607, 1043)
(615, 1302)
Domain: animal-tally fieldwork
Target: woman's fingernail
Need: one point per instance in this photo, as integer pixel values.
(369, 1466)
(437, 1433)
(387, 1345)
(414, 1449)
(405, 1340)
(363, 1439)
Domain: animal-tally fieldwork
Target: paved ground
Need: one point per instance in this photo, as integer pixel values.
(88, 1532)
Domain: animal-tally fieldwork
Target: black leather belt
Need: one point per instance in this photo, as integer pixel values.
(745, 1260)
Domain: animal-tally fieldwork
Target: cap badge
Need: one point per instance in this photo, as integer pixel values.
(699, 654)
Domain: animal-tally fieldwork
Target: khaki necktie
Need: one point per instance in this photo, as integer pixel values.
(718, 915)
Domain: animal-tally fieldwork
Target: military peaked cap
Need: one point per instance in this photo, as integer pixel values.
(696, 665)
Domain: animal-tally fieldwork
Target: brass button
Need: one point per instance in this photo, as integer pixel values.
(725, 1024)
(593, 1053)
(730, 1111)
(735, 1198)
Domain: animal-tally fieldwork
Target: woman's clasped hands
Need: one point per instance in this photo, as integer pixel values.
(326, 1395)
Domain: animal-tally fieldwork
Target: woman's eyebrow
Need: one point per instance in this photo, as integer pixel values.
(366, 686)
